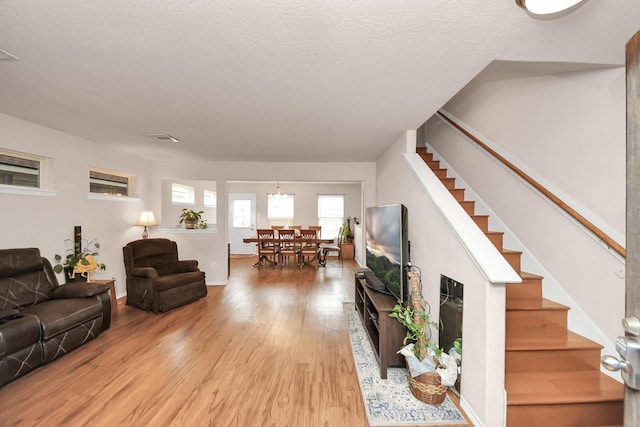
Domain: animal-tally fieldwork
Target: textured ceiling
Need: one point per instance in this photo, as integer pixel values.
(273, 80)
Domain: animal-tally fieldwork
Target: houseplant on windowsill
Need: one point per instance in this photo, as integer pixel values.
(431, 371)
(80, 261)
(192, 219)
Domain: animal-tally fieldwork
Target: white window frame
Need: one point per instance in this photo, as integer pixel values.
(277, 208)
(189, 192)
(210, 201)
(125, 181)
(330, 220)
(44, 186)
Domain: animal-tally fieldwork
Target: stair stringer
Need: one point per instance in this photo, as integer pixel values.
(578, 320)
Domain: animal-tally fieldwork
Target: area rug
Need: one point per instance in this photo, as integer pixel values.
(390, 402)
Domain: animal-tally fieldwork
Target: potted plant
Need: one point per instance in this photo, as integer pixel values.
(80, 261)
(347, 233)
(192, 219)
(431, 370)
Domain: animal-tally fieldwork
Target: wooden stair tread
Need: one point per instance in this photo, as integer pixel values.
(530, 276)
(524, 304)
(539, 388)
(548, 339)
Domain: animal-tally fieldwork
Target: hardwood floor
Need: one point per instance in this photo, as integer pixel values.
(269, 349)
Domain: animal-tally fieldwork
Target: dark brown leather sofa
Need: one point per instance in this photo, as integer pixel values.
(41, 320)
(156, 279)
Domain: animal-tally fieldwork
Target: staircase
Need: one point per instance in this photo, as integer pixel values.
(552, 375)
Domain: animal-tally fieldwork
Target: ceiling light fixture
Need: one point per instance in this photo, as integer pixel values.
(547, 7)
(277, 194)
(6, 56)
(162, 137)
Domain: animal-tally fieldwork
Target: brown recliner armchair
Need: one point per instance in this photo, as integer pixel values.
(156, 279)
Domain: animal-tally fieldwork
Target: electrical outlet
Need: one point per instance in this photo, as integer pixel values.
(112, 275)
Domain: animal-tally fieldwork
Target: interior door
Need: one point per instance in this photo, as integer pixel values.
(242, 220)
(632, 273)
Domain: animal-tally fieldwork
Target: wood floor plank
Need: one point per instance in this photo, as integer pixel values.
(270, 348)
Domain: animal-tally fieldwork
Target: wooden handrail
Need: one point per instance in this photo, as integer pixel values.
(535, 184)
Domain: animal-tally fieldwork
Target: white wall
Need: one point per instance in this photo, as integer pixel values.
(46, 222)
(305, 199)
(436, 250)
(568, 131)
(211, 248)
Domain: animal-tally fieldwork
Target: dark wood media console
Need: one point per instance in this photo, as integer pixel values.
(385, 333)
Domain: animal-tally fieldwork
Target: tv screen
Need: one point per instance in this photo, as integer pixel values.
(387, 246)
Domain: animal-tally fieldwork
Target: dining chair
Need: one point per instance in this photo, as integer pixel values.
(336, 246)
(267, 248)
(288, 245)
(309, 248)
(318, 229)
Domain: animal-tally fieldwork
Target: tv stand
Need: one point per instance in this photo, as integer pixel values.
(385, 333)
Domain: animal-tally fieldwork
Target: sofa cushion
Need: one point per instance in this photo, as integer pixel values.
(78, 290)
(176, 280)
(60, 315)
(166, 268)
(18, 261)
(19, 333)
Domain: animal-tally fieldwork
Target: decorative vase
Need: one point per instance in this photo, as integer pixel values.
(190, 223)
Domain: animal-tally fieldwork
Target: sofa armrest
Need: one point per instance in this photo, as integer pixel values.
(145, 272)
(78, 290)
(186, 266)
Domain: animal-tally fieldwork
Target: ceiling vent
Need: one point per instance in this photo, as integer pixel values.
(162, 137)
(6, 56)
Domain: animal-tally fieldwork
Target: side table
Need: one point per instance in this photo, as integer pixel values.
(112, 291)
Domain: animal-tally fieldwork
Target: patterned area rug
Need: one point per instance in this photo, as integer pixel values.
(390, 402)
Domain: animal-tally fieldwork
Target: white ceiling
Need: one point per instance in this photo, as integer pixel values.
(275, 80)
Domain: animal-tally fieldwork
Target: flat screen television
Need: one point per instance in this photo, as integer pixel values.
(387, 249)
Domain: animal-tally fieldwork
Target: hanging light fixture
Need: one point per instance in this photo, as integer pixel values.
(547, 7)
(277, 194)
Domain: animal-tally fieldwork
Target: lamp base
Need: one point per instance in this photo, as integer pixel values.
(145, 233)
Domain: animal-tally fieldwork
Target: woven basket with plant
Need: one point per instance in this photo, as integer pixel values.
(424, 361)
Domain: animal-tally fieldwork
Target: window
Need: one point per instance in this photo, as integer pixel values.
(182, 194)
(109, 183)
(330, 214)
(21, 170)
(280, 208)
(211, 203)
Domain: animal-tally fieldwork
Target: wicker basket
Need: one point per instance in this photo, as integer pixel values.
(427, 388)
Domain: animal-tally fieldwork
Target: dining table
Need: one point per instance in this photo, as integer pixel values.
(322, 262)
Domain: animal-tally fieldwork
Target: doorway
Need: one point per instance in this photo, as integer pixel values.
(242, 220)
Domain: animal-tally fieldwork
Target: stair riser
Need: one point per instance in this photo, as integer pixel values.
(433, 164)
(458, 194)
(469, 206)
(567, 415)
(440, 173)
(552, 360)
(513, 258)
(449, 183)
(523, 321)
(482, 221)
(526, 289)
(496, 239)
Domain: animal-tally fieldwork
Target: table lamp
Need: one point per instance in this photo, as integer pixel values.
(146, 219)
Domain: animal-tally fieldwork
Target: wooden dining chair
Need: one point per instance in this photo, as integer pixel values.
(335, 247)
(288, 245)
(309, 248)
(318, 229)
(268, 249)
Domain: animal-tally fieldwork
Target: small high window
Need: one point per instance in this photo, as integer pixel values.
(21, 170)
(110, 183)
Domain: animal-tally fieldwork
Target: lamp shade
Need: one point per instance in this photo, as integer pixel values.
(146, 219)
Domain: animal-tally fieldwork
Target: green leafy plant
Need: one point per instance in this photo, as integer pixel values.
(417, 323)
(192, 219)
(82, 254)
